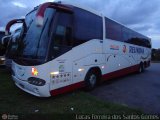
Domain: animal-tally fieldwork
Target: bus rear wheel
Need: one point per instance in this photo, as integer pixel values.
(141, 68)
(91, 79)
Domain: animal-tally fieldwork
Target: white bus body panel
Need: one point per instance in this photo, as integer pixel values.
(77, 62)
(72, 67)
(67, 66)
(22, 73)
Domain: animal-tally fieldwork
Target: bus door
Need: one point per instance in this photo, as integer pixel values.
(63, 34)
(62, 40)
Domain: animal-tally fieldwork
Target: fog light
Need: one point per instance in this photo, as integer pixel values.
(36, 81)
(2, 59)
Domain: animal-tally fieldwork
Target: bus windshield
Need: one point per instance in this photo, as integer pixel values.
(34, 43)
(2, 48)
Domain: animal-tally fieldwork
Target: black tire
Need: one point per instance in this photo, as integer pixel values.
(91, 80)
(141, 68)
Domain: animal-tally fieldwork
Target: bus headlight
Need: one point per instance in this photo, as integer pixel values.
(3, 59)
(36, 81)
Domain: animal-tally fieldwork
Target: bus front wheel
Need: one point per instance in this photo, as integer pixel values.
(91, 79)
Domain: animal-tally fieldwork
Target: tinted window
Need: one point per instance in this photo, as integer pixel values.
(87, 26)
(2, 34)
(35, 42)
(2, 48)
(138, 39)
(116, 31)
(135, 38)
(113, 30)
(62, 40)
(126, 35)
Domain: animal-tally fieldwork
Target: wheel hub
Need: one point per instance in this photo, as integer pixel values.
(92, 79)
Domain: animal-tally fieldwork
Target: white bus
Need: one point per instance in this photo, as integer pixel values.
(63, 47)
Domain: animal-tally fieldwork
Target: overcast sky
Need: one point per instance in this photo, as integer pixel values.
(140, 15)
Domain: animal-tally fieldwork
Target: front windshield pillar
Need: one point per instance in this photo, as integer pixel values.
(44, 6)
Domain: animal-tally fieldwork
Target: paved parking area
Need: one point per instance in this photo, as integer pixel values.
(140, 91)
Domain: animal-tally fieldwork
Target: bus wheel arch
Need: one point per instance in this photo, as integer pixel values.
(92, 77)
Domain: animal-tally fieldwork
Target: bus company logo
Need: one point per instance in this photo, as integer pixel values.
(138, 50)
(114, 47)
(4, 116)
(61, 68)
(124, 48)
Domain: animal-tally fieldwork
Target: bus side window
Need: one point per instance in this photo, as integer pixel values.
(63, 34)
(68, 36)
(87, 26)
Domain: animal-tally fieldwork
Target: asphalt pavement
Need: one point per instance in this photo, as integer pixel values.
(140, 91)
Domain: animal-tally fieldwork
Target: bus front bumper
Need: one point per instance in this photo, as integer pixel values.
(39, 91)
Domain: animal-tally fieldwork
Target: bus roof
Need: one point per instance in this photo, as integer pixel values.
(99, 14)
(84, 7)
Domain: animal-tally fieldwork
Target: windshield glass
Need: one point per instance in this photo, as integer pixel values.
(35, 41)
(12, 44)
(2, 48)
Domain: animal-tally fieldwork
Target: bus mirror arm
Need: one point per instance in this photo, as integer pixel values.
(8, 26)
(5, 38)
(44, 6)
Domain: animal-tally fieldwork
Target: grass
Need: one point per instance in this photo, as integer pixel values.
(14, 101)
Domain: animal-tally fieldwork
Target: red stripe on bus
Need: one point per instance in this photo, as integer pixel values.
(107, 76)
(68, 88)
(120, 72)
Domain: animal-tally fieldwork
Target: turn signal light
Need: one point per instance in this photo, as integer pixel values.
(34, 71)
